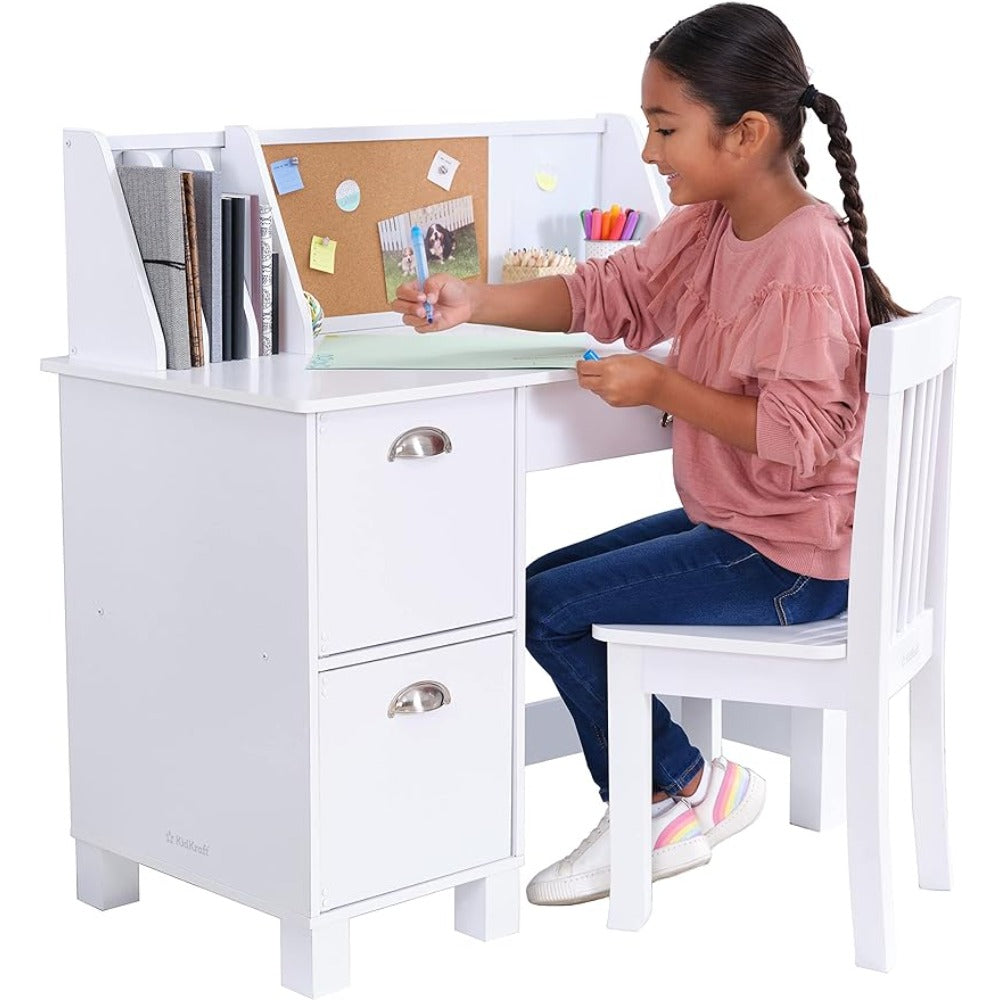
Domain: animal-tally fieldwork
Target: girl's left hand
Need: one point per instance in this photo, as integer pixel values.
(622, 379)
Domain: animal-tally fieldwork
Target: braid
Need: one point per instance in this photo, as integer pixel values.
(880, 305)
(801, 164)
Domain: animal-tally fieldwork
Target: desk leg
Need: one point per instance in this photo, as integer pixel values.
(817, 768)
(315, 960)
(105, 880)
(489, 907)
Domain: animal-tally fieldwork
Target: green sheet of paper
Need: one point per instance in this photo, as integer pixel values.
(446, 350)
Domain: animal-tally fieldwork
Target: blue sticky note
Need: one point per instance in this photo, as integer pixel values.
(286, 175)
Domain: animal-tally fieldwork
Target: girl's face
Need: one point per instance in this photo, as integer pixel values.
(683, 143)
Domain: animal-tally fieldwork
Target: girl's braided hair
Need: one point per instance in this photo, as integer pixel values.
(735, 58)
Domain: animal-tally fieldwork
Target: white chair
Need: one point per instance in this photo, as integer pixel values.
(892, 637)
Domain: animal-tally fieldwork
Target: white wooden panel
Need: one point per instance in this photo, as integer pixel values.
(567, 424)
(112, 319)
(434, 794)
(914, 348)
(521, 214)
(244, 170)
(419, 545)
(188, 640)
(443, 130)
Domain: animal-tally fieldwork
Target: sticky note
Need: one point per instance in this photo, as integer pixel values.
(348, 195)
(546, 179)
(442, 171)
(286, 175)
(322, 253)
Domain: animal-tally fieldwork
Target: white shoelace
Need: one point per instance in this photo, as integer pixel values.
(589, 839)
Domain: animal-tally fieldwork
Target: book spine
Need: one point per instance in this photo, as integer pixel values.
(227, 279)
(254, 275)
(240, 347)
(191, 266)
(264, 257)
(275, 311)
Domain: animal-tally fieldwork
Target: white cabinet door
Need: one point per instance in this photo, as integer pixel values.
(417, 794)
(423, 542)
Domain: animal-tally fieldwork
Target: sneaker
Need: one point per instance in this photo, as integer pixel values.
(733, 801)
(678, 844)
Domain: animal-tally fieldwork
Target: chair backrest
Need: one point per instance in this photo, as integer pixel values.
(900, 545)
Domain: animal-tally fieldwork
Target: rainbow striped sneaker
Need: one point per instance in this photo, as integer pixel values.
(678, 845)
(734, 800)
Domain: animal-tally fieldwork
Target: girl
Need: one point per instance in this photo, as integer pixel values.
(768, 297)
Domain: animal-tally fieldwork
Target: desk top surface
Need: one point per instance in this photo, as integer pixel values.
(283, 382)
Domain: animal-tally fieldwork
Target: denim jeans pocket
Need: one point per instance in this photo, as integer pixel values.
(810, 599)
(784, 603)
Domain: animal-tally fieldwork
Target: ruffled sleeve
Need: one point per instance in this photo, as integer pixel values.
(804, 351)
(630, 294)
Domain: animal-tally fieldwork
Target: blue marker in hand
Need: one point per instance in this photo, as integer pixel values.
(589, 355)
(420, 253)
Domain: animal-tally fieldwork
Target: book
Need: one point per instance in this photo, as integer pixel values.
(265, 255)
(208, 211)
(227, 279)
(275, 285)
(238, 279)
(254, 271)
(191, 270)
(155, 203)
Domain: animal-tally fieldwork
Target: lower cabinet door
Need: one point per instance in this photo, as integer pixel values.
(415, 767)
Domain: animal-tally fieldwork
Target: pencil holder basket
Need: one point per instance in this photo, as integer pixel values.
(518, 272)
(605, 248)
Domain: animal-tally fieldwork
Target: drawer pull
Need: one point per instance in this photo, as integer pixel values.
(424, 696)
(420, 442)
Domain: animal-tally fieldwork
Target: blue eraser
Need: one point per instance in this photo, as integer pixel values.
(589, 355)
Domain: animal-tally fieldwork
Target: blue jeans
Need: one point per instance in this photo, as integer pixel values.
(660, 570)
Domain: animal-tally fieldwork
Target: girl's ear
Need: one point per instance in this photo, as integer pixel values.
(748, 136)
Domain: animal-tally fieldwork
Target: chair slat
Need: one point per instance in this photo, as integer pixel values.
(932, 481)
(910, 536)
(902, 493)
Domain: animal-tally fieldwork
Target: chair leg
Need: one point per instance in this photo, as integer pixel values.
(629, 789)
(701, 719)
(927, 775)
(816, 768)
(868, 837)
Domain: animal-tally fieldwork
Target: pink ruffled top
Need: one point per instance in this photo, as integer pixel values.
(782, 318)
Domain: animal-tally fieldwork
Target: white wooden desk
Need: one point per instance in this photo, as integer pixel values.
(250, 582)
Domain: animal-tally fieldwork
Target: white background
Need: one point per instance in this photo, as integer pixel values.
(770, 914)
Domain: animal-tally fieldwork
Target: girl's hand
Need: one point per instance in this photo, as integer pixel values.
(622, 379)
(451, 298)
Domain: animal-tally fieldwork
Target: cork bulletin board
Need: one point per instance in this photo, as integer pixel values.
(392, 176)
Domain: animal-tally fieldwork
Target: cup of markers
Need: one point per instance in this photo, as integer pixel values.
(607, 231)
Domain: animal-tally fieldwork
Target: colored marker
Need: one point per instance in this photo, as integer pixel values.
(420, 255)
(589, 355)
(595, 224)
(630, 225)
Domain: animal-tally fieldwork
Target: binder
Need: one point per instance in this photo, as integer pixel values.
(155, 204)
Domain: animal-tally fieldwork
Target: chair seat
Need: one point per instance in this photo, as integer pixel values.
(824, 640)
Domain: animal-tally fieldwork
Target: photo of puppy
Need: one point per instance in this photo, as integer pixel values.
(440, 243)
(448, 232)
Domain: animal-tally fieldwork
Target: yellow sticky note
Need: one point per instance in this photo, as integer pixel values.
(322, 254)
(546, 179)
